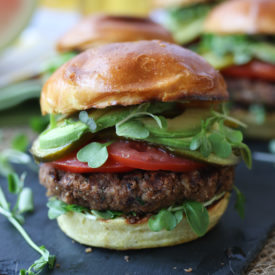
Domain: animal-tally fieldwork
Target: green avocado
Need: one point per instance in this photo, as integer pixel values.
(218, 62)
(64, 134)
(180, 146)
(185, 125)
(188, 32)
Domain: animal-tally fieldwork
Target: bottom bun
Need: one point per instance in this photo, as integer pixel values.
(120, 235)
(265, 131)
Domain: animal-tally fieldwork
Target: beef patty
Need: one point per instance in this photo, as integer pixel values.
(139, 191)
(251, 91)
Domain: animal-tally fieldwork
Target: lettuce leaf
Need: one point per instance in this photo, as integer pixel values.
(225, 50)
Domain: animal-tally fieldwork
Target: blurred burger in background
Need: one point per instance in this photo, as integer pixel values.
(184, 18)
(240, 41)
(102, 29)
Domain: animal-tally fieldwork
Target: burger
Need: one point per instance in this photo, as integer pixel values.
(99, 29)
(139, 152)
(184, 18)
(240, 42)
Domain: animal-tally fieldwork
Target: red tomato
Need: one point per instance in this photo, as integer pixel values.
(142, 156)
(254, 69)
(71, 164)
(125, 156)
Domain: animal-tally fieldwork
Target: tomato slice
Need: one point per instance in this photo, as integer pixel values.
(142, 156)
(126, 156)
(71, 164)
(254, 69)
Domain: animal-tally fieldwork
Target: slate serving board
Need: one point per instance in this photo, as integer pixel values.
(227, 249)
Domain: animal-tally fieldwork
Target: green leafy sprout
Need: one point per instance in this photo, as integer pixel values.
(240, 49)
(24, 203)
(16, 155)
(57, 61)
(240, 202)
(57, 208)
(166, 219)
(95, 154)
(186, 23)
(214, 140)
(215, 137)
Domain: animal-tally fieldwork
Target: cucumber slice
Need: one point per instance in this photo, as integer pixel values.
(49, 154)
(16, 14)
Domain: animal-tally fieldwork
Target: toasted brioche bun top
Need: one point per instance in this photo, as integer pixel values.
(177, 3)
(131, 73)
(242, 16)
(102, 29)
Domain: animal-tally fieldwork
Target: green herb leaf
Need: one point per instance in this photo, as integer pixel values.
(132, 129)
(39, 123)
(95, 154)
(140, 111)
(196, 142)
(234, 136)
(20, 142)
(15, 184)
(228, 118)
(241, 48)
(16, 219)
(220, 146)
(179, 216)
(58, 208)
(197, 217)
(246, 154)
(206, 147)
(108, 214)
(53, 122)
(240, 202)
(54, 63)
(84, 117)
(25, 200)
(163, 220)
(5, 167)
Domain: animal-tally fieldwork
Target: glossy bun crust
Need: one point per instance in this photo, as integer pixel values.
(102, 29)
(128, 74)
(118, 234)
(242, 16)
(177, 3)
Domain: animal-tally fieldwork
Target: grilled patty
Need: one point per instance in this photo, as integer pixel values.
(139, 191)
(251, 91)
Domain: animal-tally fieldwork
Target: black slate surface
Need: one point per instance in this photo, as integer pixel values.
(227, 249)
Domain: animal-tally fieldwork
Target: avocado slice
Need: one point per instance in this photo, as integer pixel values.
(185, 125)
(180, 146)
(64, 134)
